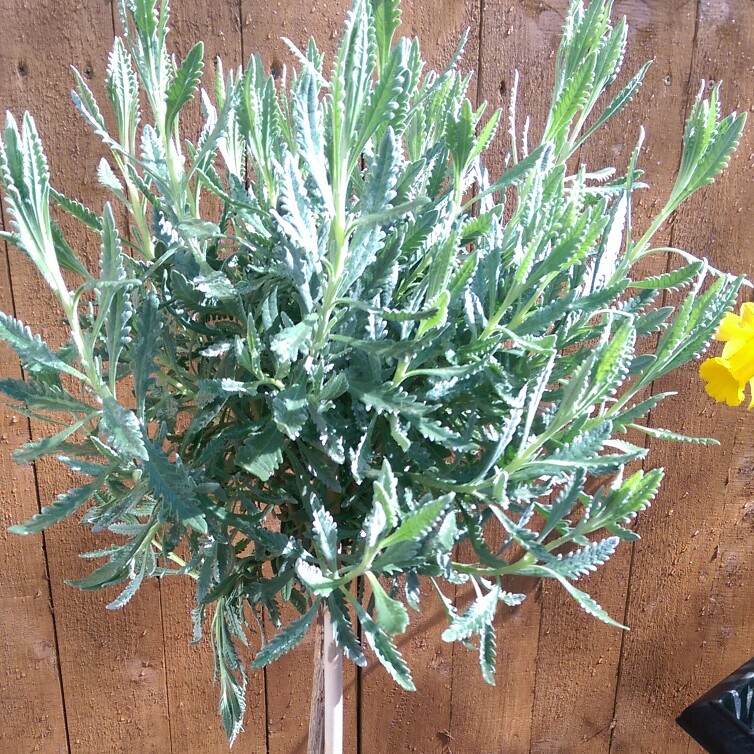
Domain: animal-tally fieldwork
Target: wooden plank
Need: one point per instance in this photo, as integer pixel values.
(578, 657)
(195, 725)
(691, 596)
(520, 35)
(30, 685)
(393, 719)
(194, 720)
(289, 679)
(112, 664)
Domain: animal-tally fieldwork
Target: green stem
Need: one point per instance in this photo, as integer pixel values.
(340, 241)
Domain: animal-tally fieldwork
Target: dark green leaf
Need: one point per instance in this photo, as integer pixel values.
(286, 639)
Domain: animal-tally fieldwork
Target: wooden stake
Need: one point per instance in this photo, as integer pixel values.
(326, 711)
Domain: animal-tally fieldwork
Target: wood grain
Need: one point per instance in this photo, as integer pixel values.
(578, 657)
(30, 683)
(112, 663)
(565, 682)
(690, 596)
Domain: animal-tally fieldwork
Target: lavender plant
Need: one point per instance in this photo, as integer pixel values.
(364, 350)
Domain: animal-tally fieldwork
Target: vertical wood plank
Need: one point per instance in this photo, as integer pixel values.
(112, 663)
(514, 36)
(195, 726)
(691, 593)
(30, 684)
(578, 657)
(393, 719)
(289, 679)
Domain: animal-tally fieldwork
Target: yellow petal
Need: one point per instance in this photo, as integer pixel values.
(721, 385)
(730, 328)
(734, 345)
(741, 363)
(747, 316)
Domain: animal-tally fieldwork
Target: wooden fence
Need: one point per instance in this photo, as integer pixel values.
(77, 679)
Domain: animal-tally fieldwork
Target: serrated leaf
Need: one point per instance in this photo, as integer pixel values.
(133, 586)
(387, 18)
(480, 613)
(286, 639)
(262, 453)
(487, 653)
(123, 430)
(145, 347)
(310, 136)
(215, 285)
(109, 180)
(32, 451)
(64, 505)
(633, 496)
(122, 90)
(87, 105)
(297, 219)
(386, 493)
(564, 503)
(325, 531)
(614, 359)
(184, 85)
(314, 580)
(419, 522)
(171, 483)
(229, 670)
(290, 341)
(583, 561)
(374, 525)
(386, 651)
(289, 410)
(66, 256)
(675, 279)
(343, 631)
(112, 572)
(639, 410)
(34, 353)
(42, 396)
(666, 434)
(619, 102)
(77, 210)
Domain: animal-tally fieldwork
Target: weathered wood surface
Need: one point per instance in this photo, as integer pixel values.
(76, 679)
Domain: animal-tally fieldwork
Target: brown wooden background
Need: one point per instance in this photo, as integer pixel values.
(77, 679)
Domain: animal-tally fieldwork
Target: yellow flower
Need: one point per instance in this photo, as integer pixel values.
(721, 385)
(726, 376)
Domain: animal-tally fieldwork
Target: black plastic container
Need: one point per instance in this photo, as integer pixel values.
(722, 720)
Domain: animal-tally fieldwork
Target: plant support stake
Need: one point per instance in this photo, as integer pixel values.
(326, 712)
(332, 660)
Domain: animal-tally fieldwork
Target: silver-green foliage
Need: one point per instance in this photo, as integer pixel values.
(365, 351)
